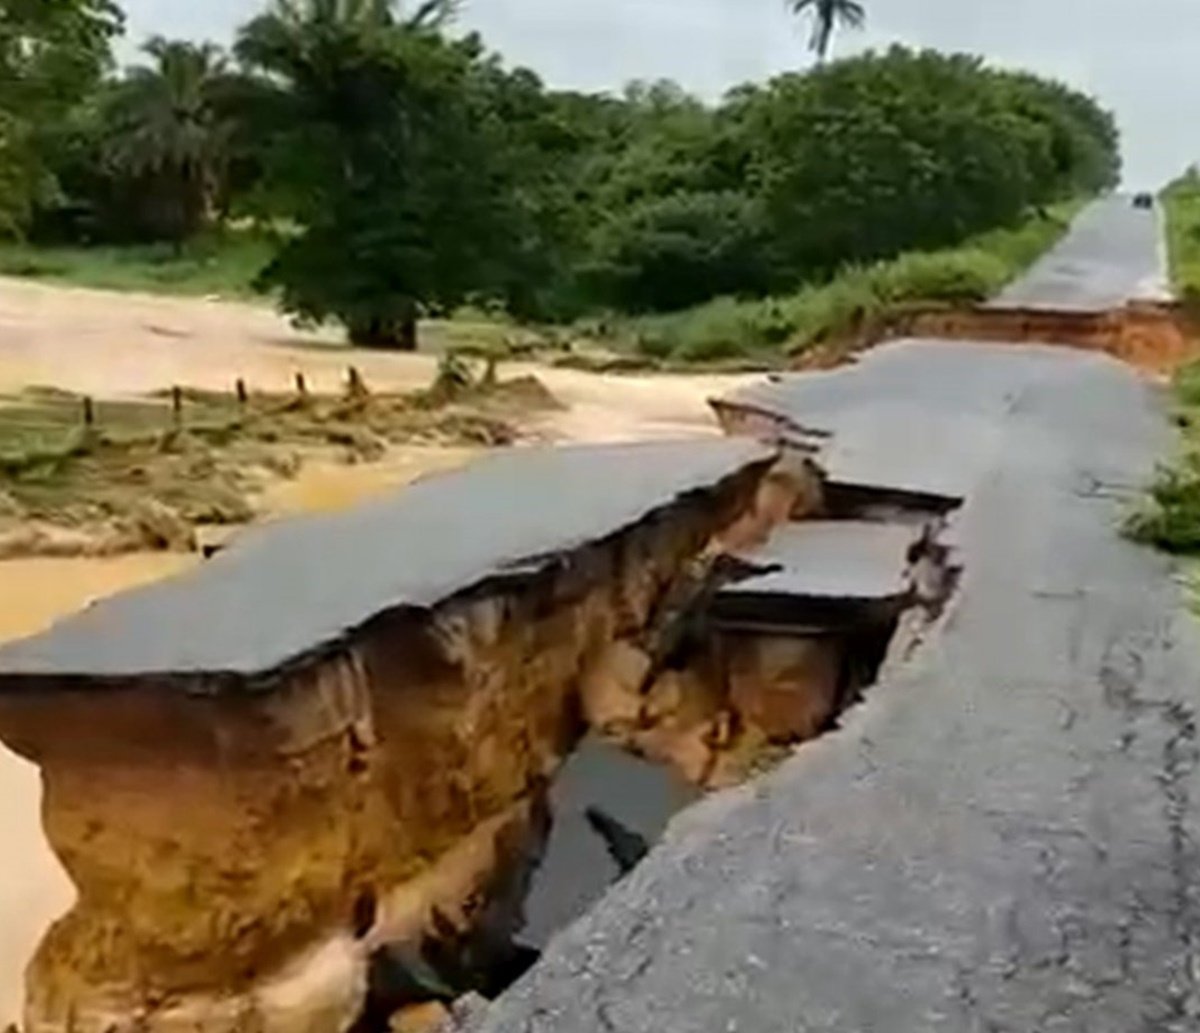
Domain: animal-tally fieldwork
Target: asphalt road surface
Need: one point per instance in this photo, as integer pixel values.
(292, 588)
(1113, 254)
(918, 427)
(1003, 837)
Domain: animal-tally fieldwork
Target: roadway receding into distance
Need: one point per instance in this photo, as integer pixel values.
(1003, 835)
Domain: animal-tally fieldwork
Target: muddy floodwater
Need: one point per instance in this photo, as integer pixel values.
(34, 890)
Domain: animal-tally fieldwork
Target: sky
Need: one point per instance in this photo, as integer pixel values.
(1140, 59)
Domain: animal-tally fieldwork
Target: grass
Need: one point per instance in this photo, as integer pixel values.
(221, 265)
(1168, 518)
(859, 300)
(1181, 203)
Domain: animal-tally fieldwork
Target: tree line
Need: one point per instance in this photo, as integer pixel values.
(402, 168)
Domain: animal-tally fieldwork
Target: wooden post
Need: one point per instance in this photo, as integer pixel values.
(177, 405)
(355, 386)
(89, 412)
(301, 385)
(240, 389)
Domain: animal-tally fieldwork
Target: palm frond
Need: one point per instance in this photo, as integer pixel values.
(434, 14)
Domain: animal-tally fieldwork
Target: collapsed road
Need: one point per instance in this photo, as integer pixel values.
(284, 781)
(1002, 836)
(369, 719)
(1103, 287)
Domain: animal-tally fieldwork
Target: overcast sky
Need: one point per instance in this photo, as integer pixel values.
(1142, 59)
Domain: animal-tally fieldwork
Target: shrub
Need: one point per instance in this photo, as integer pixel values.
(1170, 518)
(950, 276)
(1187, 385)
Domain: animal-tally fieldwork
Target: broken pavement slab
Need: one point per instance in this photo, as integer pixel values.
(357, 714)
(292, 590)
(831, 559)
(916, 416)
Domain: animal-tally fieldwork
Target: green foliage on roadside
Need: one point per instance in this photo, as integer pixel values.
(386, 158)
(1168, 518)
(727, 328)
(1181, 203)
(906, 150)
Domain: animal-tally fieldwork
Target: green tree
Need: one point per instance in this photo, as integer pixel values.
(384, 157)
(680, 249)
(52, 54)
(867, 157)
(826, 16)
(166, 135)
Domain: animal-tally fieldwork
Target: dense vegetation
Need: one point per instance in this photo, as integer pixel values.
(393, 168)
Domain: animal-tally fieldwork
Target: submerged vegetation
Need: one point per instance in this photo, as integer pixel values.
(103, 477)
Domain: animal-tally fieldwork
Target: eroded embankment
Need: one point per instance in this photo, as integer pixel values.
(1157, 338)
(321, 843)
(244, 842)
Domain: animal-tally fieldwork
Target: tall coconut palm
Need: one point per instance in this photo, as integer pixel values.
(167, 134)
(827, 15)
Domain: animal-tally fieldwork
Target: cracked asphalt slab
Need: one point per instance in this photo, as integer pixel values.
(1113, 254)
(286, 590)
(1003, 836)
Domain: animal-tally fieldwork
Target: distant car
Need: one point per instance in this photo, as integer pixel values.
(1143, 200)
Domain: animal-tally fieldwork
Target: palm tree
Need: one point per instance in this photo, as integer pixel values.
(167, 134)
(827, 15)
(296, 15)
(339, 72)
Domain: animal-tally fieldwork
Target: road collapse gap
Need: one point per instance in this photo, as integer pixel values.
(776, 640)
(416, 738)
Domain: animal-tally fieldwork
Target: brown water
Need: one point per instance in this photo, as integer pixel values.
(107, 344)
(34, 890)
